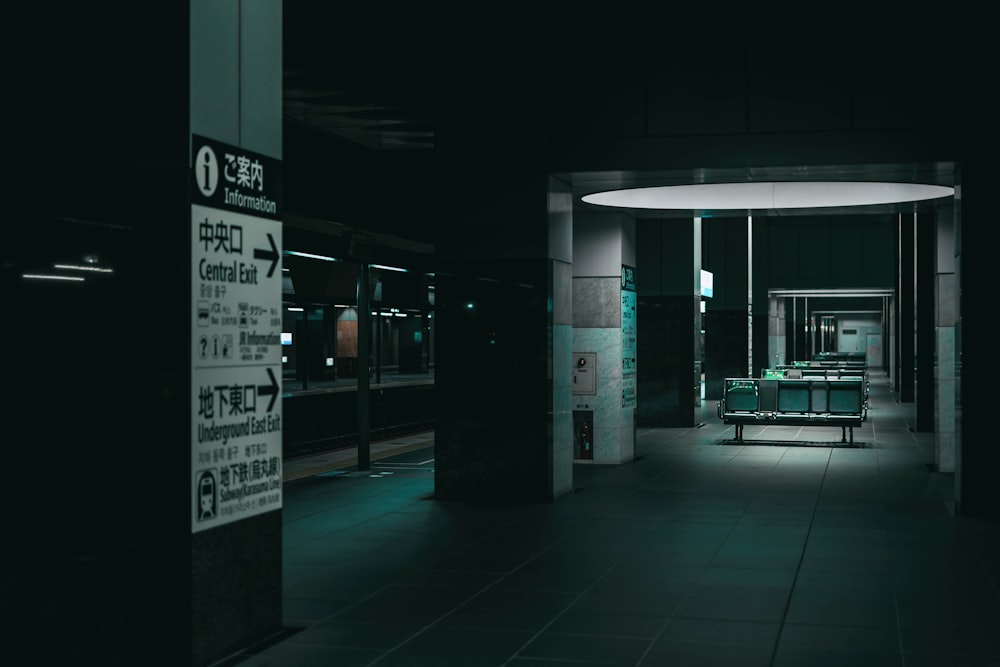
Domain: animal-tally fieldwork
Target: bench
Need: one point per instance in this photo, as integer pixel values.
(849, 357)
(821, 369)
(777, 401)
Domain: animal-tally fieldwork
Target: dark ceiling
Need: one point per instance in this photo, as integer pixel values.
(361, 71)
(367, 73)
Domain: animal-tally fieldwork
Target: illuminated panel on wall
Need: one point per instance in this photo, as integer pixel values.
(706, 284)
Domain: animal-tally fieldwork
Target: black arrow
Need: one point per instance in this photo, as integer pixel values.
(272, 254)
(269, 389)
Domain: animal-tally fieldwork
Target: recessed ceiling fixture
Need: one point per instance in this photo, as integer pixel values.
(776, 195)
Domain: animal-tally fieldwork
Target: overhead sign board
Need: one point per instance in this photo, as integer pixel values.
(236, 286)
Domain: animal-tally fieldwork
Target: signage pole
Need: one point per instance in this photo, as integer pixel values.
(364, 367)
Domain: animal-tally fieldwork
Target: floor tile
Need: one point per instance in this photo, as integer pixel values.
(739, 603)
(797, 656)
(577, 620)
(352, 634)
(878, 639)
(601, 649)
(679, 653)
(855, 605)
(723, 631)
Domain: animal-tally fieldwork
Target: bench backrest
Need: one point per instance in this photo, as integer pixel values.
(846, 396)
(741, 395)
(836, 396)
(795, 396)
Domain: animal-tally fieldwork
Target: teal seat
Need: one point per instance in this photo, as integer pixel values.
(846, 397)
(793, 396)
(741, 396)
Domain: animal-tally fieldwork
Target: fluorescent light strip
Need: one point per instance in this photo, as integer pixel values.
(295, 309)
(76, 267)
(311, 256)
(387, 268)
(845, 292)
(45, 276)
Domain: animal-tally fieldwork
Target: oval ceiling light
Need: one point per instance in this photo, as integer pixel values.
(777, 195)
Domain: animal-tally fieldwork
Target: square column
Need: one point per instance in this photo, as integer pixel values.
(604, 334)
(946, 348)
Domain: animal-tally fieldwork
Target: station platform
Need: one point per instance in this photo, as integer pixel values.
(787, 549)
(345, 460)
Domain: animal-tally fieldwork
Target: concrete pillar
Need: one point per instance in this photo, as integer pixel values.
(727, 339)
(776, 328)
(561, 255)
(927, 305)
(669, 312)
(235, 75)
(604, 251)
(976, 456)
(906, 317)
(945, 379)
(495, 311)
(106, 550)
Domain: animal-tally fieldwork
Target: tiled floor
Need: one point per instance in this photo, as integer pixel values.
(777, 552)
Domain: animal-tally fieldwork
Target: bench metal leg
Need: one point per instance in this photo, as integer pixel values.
(739, 433)
(843, 433)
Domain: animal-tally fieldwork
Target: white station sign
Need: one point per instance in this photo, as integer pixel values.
(236, 410)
